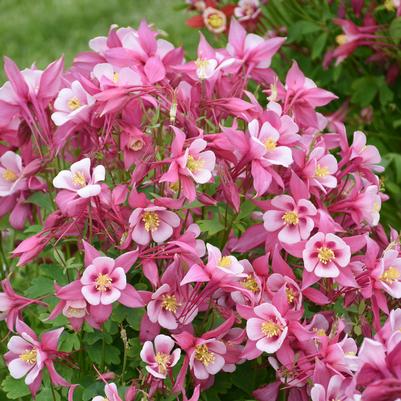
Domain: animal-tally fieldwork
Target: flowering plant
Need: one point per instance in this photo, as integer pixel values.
(191, 229)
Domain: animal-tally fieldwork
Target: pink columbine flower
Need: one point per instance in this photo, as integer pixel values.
(214, 20)
(80, 180)
(388, 273)
(293, 220)
(368, 155)
(247, 10)
(153, 223)
(324, 254)
(158, 357)
(207, 358)
(27, 356)
(103, 281)
(111, 392)
(335, 390)
(265, 144)
(268, 329)
(109, 76)
(72, 103)
(11, 177)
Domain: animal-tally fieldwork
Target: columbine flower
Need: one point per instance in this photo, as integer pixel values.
(72, 104)
(247, 10)
(214, 20)
(388, 273)
(111, 392)
(292, 220)
(268, 329)
(320, 169)
(11, 178)
(159, 357)
(110, 76)
(324, 254)
(206, 358)
(103, 281)
(152, 223)
(264, 143)
(79, 179)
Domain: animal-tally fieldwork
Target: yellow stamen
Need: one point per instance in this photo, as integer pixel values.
(194, 165)
(390, 275)
(325, 255)
(341, 39)
(78, 179)
(151, 220)
(270, 144)
(103, 282)
(319, 332)
(216, 21)
(225, 262)
(321, 171)
(9, 175)
(271, 329)
(74, 103)
(203, 354)
(291, 294)
(116, 76)
(74, 312)
(250, 283)
(169, 303)
(136, 145)
(291, 218)
(162, 361)
(376, 207)
(29, 356)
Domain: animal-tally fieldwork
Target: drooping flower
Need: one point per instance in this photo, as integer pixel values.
(80, 180)
(159, 356)
(11, 174)
(325, 254)
(268, 329)
(111, 392)
(388, 273)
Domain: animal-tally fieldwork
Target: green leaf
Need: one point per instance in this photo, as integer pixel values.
(46, 395)
(365, 90)
(42, 200)
(14, 388)
(395, 30)
(134, 317)
(40, 286)
(318, 45)
(301, 28)
(246, 209)
(210, 226)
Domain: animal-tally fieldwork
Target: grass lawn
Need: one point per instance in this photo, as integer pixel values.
(39, 31)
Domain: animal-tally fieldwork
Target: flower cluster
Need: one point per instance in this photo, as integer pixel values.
(238, 226)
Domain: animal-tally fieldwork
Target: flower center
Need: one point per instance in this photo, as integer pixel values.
(225, 262)
(75, 312)
(291, 218)
(321, 171)
(341, 39)
(103, 282)
(151, 220)
(162, 361)
(319, 332)
(270, 144)
(9, 175)
(169, 303)
(290, 295)
(116, 77)
(271, 329)
(390, 275)
(136, 144)
(78, 180)
(250, 283)
(194, 165)
(216, 21)
(202, 354)
(325, 255)
(74, 103)
(29, 356)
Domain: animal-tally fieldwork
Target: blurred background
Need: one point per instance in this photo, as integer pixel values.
(38, 31)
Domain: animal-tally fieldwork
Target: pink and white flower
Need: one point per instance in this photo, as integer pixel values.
(247, 10)
(388, 273)
(111, 392)
(292, 220)
(72, 103)
(80, 180)
(11, 174)
(214, 20)
(153, 223)
(158, 355)
(110, 76)
(325, 254)
(103, 281)
(268, 329)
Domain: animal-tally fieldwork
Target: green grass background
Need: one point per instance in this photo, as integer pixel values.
(39, 31)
